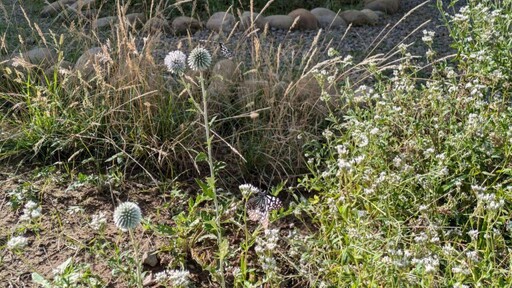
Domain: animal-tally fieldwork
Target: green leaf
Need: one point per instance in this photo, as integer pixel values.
(201, 157)
(223, 249)
(40, 280)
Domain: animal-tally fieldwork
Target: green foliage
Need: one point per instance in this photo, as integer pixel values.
(412, 180)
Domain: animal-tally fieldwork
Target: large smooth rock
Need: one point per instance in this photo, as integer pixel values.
(80, 4)
(104, 22)
(374, 18)
(42, 57)
(135, 19)
(156, 24)
(306, 20)
(245, 20)
(227, 70)
(328, 18)
(56, 7)
(221, 22)
(182, 25)
(283, 22)
(387, 6)
(225, 74)
(85, 63)
(356, 18)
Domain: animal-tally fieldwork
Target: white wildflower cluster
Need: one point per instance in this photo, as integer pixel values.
(248, 190)
(490, 201)
(399, 258)
(361, 140)
(31, 211)
(17, 196)
(430, 263)
(72, 210)
(265, 249)
(473, 234)
(461, 269)
(17, 243)
(177, 278)
(98, 221)
(332, 52)
(428, 37)
(462, 16)
(473, 256)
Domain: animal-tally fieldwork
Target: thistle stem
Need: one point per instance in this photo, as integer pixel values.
(212, 176)
(138, 263)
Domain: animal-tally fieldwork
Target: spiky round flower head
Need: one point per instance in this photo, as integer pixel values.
(127, 216)
(199, 59)
(176, 62)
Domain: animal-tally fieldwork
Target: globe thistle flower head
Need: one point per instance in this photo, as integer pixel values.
(199, 59)
(127, 216)
(176, 62)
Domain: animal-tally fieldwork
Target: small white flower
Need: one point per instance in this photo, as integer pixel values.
(75, 210)
(17, 243)
(332, 52)
(362, 140)
(473, 234)
(31, 210)
(98, 221)
(177, 278)
(248, 189)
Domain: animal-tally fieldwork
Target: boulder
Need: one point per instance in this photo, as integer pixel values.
(55, 8)
(227, 70)
(328, 18)
(80, 4)
(85, 63)
(374, 18)
(387, 6)
(182, 25)
(42, 57)
(135, 19)
(225, 74)
(221, 22)
(156, 24)
(306, 20)
(104, 22)
(283, 22)
(356, 18)
(245, 20)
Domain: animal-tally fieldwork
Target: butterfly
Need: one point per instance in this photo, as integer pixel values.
(260, 206)
(225, 52)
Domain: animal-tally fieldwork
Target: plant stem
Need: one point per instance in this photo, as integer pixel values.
(138, 263)
(212, 176)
